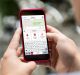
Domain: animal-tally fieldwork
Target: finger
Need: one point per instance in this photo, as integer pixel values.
(30, 66)
(52, 37)
(54, 56)
(50, 45)
(52, 29)
(19, 51)
(15, 40)
(11, 50)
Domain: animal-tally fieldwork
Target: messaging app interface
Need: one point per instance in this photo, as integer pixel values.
(34, 35)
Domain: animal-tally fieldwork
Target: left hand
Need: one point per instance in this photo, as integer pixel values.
(11, 64)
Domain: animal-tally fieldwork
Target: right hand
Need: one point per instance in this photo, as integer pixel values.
(65, 56)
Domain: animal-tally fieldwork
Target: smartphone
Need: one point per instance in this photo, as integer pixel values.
(34, 40)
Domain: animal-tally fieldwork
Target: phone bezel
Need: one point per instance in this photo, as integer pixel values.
(39, 56)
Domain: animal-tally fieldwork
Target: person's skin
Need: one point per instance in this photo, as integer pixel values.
(10, 62)
(76, 9)
(65, 56)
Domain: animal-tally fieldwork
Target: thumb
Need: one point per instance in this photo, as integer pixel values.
(52, 37)
(30, 66)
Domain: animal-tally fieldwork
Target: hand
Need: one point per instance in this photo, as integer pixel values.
(0, 67)
(11, 64)
(65, 56)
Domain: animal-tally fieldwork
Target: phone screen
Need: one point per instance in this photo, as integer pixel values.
(34, 34)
